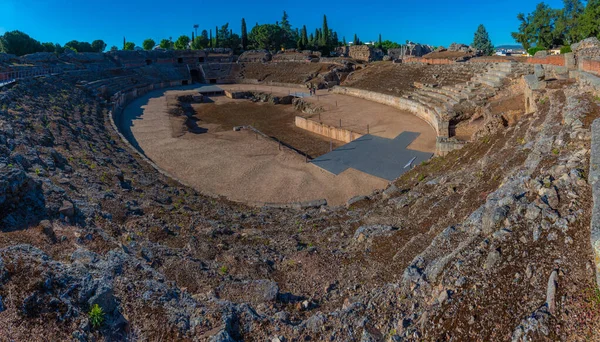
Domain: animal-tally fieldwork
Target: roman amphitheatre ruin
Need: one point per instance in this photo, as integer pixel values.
(204, 196)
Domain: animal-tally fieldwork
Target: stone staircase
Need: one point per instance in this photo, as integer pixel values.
(481, 87)
(495, 75)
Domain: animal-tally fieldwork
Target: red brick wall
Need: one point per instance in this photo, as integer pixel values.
(558, 60)
(590, 65)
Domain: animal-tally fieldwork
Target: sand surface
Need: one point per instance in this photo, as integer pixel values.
(355, 114)
(255, 171)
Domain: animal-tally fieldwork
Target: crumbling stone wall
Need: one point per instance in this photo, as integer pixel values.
(293, 55)
(361, 53)
(258, 56)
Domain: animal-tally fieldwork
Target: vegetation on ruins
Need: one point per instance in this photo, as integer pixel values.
(244, 34)
(482, 41)
(19, 43)
(166, 44)
(96, 316)
(182, 42)
(148, 44)
(129, 46)
(547, 27)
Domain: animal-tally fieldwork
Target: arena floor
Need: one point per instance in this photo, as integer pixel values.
(243, 168)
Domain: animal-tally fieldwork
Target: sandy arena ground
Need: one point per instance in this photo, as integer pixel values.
(356, 114)
(240, 167)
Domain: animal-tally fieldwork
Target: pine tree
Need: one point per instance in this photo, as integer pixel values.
(244, 34)
(482, 41)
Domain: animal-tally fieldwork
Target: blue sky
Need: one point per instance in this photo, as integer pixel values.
(435, 22)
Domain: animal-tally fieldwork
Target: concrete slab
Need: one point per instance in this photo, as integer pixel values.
(210, 89)
(377, 156)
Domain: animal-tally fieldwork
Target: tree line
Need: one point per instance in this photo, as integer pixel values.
(548, 27)
(280, 35)
(19, 43)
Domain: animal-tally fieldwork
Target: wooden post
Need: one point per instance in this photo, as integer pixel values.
(367, 129)
(340, 123)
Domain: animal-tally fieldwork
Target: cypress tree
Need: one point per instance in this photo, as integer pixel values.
(304, 37)
(216, 36)
(244, 34)
(325, 32)
(210, 41)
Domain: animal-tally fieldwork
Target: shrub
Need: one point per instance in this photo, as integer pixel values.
(565, 49)
(533, 50)
(96, 316)
(223, 270)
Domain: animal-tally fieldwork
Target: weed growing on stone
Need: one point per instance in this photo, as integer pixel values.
(96, 316)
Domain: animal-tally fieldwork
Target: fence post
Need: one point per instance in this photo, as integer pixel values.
(367, 129)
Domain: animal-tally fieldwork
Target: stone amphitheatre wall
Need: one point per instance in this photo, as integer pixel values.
(436, 61)
(269, 83)
(431, 117)
(332, 132)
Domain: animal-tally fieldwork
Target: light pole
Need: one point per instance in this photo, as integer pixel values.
(196, 29)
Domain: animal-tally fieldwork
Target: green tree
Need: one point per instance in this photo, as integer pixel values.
(244, 35)
(267, 36)
(567, 26)
(98, 45)
(538, 28)
(182, 42)
(388, 44)
(114, 48)
(482, 42)
(288, 35)
(148, 44)
(19, 43)
(201, 42)
(81, 46)
(589, 22)
(129, 46)
(48, 47)
(356, 41)
(379, 42)
(216, 44)
(324, 33)
(304, 37)
(165, 44)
